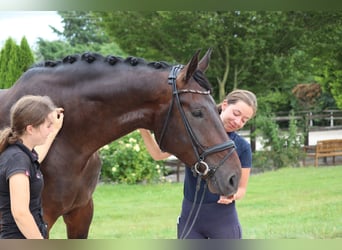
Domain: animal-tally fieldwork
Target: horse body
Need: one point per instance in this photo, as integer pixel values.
(104, 99)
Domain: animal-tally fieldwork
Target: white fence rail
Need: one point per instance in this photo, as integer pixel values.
(326, 118)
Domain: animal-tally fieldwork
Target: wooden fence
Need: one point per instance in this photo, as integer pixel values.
(312, 121)
(327, 119)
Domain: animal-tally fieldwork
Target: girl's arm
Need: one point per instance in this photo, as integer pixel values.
(57, 118)
(20, 201)
(152, 146)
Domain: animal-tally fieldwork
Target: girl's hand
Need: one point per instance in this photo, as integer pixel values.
(57, 119)
(226, 199)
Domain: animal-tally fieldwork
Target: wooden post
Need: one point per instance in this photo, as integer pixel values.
(306, 129)
(252, 135)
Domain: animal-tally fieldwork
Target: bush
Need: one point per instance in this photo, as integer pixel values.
(279, 149)
(126, 160)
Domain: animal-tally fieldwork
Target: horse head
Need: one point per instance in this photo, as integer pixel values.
(195, 116)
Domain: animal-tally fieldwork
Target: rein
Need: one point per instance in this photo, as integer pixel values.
(196, 145)
(198, 186)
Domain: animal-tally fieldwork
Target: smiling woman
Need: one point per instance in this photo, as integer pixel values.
(31, 24)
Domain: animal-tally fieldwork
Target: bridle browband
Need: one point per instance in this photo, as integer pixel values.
(196, 145)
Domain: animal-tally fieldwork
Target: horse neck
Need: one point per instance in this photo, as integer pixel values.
(104, 110)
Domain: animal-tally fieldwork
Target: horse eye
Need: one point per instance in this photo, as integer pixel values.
(197, 113)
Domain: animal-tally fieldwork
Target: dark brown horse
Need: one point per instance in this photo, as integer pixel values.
(105, 98)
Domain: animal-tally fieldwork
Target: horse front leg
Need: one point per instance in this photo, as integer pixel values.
(50, 220)
(78, 221)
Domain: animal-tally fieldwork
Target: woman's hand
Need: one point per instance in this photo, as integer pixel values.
(227, 199)
(57, 118)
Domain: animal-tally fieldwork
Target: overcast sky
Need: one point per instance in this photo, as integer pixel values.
(31, 24)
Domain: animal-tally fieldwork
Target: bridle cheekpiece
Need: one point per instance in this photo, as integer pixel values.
(196, 145)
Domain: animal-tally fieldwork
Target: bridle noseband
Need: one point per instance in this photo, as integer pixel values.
(196, 145)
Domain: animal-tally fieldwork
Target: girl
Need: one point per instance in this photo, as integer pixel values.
(34, 121)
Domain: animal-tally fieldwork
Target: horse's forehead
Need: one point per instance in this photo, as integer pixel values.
(197, 98)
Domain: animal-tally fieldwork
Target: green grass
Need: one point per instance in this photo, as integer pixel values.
(301, 203)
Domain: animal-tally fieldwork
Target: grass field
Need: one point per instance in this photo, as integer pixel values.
(300, 203)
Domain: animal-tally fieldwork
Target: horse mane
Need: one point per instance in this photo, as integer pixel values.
(202, 80)
(91, 57)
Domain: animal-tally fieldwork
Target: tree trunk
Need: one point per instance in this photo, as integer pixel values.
(222, 83)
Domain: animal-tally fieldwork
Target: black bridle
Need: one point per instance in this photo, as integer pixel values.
(196, 145)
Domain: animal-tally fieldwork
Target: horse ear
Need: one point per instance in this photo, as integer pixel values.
(204, 63)
(191, 66)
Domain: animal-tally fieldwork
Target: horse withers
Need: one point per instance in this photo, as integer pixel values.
(105, 98)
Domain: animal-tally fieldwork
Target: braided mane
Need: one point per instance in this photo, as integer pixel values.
(91, 57)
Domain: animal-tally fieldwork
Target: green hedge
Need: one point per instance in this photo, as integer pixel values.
(126, 160)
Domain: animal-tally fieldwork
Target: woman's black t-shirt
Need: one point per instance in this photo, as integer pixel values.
(17, 158)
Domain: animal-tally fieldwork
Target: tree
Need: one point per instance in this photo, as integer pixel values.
(26, 58)
(80, 34)
(15, 60)
(307, 95)
(9, 70)
(323, 40)
(54, 50)
(80, 28)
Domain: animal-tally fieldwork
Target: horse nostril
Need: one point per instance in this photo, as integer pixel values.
(233, 181)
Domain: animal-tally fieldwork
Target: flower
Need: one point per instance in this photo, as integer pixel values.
(136, 147)
(132, 140)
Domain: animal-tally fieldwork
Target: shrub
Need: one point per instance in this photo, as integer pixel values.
(126, 160)
(280, 149)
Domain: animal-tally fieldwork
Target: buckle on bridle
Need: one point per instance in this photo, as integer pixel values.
(199, 164)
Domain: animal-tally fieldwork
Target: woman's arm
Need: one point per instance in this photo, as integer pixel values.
(152, 146)
(20, 201)
(245, 172)
(57, 118)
